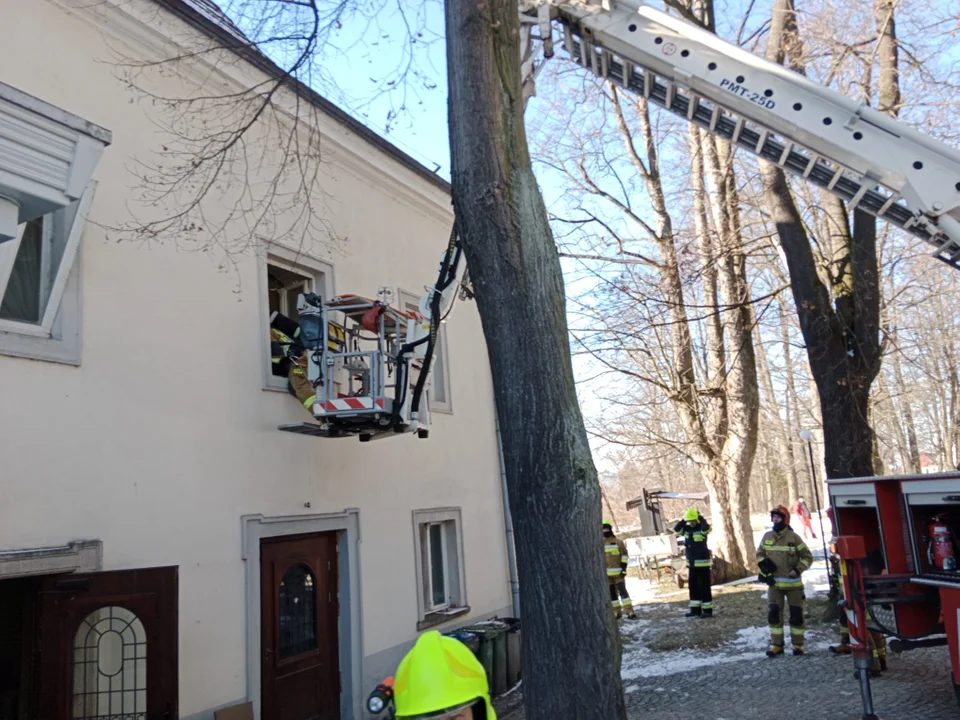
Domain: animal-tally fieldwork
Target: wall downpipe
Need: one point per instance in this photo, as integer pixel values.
(508, 523)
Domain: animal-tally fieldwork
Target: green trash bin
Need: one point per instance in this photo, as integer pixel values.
(514, 672)
(493, 652)
(484, 652)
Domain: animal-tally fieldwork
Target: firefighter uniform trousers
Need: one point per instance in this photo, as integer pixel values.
(701, 594)
(620, 597)
(789, 590)
(876, 641)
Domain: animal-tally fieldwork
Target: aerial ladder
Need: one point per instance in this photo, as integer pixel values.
(873, 162)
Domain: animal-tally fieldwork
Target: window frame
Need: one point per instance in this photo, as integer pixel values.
(321, 274)
(56, 337)
(456, 605)
(410, 300)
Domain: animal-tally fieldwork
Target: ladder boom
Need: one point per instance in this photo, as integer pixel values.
(874, 162)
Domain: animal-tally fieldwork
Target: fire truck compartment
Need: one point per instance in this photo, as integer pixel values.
(933, 511)
(856, 512)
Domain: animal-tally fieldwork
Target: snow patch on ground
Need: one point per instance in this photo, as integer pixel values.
(751, 637)
(750, 644)
(644, 663)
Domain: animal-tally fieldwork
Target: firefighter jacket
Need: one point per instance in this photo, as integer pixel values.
(786, 551)
(615, 553)
(695, 541)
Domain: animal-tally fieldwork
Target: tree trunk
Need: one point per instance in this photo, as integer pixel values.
(843, 342)
(715, 406)
(786, 470)
(912, 456)
(569, 629)
(793, 421)
(742, 393)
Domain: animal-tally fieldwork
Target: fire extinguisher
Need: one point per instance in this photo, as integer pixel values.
(940, 551)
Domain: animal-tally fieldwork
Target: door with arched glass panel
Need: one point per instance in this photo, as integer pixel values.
(300, 671)
(108, 645)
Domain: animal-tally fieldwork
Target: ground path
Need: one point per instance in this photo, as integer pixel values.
(676, 668)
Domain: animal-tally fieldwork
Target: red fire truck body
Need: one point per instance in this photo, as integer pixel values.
(910, 525)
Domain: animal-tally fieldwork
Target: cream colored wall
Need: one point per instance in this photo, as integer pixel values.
(164, 437)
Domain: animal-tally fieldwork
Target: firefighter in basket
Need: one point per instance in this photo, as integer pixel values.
(438, 679)
(782, 557)
(694, 528)
(615, 553)
(290, 357)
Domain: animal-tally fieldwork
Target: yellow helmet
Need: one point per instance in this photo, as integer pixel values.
(439, 674)
(691, 515)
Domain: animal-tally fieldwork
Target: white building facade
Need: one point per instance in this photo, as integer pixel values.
(165, 551)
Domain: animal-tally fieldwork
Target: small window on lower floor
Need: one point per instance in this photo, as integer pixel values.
(439, 549)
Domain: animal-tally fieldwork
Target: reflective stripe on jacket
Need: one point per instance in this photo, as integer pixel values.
(615, 553)
(787, 551)
(695, 541)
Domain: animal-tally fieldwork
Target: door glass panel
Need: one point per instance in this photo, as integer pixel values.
(298, 612)
(110, 666)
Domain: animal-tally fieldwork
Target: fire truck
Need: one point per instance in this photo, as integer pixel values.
(909, 527)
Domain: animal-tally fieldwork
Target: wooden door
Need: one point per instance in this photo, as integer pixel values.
(108, 645)
(300, 676)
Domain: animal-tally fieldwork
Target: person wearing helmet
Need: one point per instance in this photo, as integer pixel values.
(782, 557)
(615, 553)
(694, 529)
(441, 678)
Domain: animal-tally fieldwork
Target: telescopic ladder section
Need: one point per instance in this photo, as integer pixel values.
(871, 161)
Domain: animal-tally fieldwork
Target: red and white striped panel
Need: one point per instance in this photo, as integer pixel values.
(354, 403)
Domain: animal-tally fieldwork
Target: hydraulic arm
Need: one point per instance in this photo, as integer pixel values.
(873, 162)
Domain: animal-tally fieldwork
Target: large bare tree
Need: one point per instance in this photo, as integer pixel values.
(840, 322)
(569, 631)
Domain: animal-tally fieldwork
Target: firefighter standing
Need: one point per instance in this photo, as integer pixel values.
(694, 529)
(616, 556)
(782, 557)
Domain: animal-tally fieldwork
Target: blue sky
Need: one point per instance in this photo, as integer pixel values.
(373, 51)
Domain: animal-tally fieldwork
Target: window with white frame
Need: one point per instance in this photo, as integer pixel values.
(439, 395)
(286, 275)
(439, 548)
(39, 287)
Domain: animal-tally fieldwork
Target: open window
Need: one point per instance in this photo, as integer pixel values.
(439, 395)
(39, 287)
(284, 276)
(439, 549)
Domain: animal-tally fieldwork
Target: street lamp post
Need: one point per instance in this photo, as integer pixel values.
(807, 437)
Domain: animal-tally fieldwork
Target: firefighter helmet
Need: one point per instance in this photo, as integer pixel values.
(608, 524)
(691, 515)
(782, 510)
(439, 676)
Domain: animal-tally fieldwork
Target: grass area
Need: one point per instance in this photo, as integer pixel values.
(736, 607)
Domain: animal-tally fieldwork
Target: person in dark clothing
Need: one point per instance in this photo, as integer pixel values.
(694, 528)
